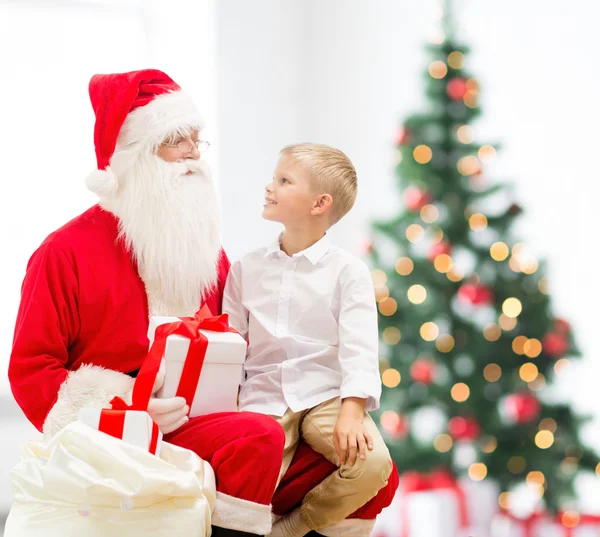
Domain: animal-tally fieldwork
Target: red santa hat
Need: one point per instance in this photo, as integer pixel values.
(135, 110)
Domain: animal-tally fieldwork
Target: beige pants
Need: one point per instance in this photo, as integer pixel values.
(348, 488)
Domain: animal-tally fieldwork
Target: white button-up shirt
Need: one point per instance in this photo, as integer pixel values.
(311, 323)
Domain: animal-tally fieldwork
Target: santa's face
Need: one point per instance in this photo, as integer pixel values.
(169, 217)
(178, 147)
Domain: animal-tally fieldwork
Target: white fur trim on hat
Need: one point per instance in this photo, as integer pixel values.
(241, 515)
(152, 123)
(350, 527)
(103, 183)
(88, 386)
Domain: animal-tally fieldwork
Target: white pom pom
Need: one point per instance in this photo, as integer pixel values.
(103, 183)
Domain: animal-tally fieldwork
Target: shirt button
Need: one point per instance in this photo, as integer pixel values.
(284, 295)
(280, 327)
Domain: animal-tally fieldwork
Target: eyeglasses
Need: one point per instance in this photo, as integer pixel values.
(187, 146)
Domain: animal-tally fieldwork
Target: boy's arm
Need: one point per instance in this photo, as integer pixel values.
(232, 301)
(359, 338)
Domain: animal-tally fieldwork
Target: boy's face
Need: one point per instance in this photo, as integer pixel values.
(289, 198)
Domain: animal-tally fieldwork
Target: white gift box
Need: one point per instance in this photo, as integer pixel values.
(217, 388)
(132, 426)
(432, 514)
(436, 512)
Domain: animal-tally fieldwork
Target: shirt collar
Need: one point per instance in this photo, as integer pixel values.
(313, 253)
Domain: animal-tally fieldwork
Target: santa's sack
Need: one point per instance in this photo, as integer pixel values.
(84, 483)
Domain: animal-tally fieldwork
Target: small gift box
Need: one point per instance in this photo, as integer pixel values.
(204, 360)
(132, 426)
(432, 505)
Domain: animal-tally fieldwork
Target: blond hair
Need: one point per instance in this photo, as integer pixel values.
(330, 172)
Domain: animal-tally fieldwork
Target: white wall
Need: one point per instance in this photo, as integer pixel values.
(345, 72)
(50, 50)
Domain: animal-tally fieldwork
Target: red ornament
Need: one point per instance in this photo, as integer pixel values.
(555, 344)
(439, 249)
(475, 293)
(422, 371)
(562, 326)
(395, 425)
(403, 136)
(366, 247)
(401, 429)
(415, 199)
(457, 88)
(522, 408)
(464, 428)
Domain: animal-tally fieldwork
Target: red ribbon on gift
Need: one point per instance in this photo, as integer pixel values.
(591, 520)
(112, 422)
(437, 480)
(527, 524)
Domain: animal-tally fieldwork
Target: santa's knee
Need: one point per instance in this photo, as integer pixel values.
(265, 435)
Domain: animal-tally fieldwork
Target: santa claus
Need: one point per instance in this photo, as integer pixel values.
(151, 246)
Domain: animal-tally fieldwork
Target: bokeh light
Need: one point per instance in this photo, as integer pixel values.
(544, 439)
(507, 323)
(443, 443)
(528, 372)
(456, 59)
(468, 165)
(486, 152)
(465, 134)
(516, 464)
(512, 307)
(429, 331)
(429, 214)
(379, 277)
(460, 392)
(404, 266)
(518, 344)
(477, 471)
(492, 372)
(445, 343)
(388, 306)
(492, 332)
(438, 69)
(532, 348)
(443, 263)
(422, 154)
(417, 294)
(391, 335)
(478, 222)
(414, 232)
(391, 378)
(499, 251)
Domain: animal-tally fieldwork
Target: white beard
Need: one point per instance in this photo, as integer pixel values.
(170, 222)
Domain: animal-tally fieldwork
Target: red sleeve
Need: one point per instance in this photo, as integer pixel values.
(224, 266)
(47, 323)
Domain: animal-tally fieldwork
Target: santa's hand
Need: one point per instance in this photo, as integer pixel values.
(160, 377)
(169, 414)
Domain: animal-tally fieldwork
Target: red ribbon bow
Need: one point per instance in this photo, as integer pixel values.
(436, 480)
(527, 524)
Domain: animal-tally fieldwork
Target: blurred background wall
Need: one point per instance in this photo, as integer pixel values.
(271, 72)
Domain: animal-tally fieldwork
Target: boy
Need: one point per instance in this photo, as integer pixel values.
(308, 311)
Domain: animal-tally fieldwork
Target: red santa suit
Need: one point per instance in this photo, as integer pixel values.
(81, 330)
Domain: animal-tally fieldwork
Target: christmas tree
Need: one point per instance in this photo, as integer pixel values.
(470, 343)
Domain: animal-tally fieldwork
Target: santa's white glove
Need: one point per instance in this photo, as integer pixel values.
(169, 414)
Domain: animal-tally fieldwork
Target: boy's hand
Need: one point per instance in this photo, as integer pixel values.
(349, 436)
